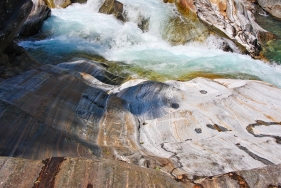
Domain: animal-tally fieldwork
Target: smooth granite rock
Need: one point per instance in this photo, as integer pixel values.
(271, 6)
(189, 130)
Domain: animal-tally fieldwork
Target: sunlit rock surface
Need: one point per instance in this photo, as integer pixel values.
(112, 7)
(189, 130)
(77, 172)
(231, 18)
(271, 6)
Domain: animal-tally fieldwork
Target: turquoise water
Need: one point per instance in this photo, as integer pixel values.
(79, 31)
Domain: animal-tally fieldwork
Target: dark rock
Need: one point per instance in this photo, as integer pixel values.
(16, 60)
(203, 92)
(94, 69)
(198, 130)
(79, 1)
(35, 20)
(13, 14)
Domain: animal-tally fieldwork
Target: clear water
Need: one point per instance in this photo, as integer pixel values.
(80, 29)
(272, 49)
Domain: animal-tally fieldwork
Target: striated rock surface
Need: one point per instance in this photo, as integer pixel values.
(271, 6)
(233, 19)
(190, 130)
(77, 172)
(93, 69)
(13, 59)
(38, 14)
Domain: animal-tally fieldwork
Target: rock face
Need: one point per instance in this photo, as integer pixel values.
(33, 24)
(271, 6)
(190, 130)
(13, 59)
(231, 18)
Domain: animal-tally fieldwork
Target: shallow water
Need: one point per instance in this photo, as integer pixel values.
(272, 49)
(80, 31)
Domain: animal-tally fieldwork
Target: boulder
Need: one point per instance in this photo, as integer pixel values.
(13, 15)
(33, 24)
(14, 59)
(271, 6)
(112, 7)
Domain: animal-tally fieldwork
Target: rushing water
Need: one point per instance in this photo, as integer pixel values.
(79, 31)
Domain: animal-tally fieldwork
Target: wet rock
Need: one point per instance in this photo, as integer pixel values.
(79, 1)
(33, 24)
(57, 3)
(180, 30)
(186, 26)
(112, 7)
(271, 6)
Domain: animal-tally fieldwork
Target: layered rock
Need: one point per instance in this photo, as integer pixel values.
(189, 130)
(77, 172)
(271, 6)
(38, 14)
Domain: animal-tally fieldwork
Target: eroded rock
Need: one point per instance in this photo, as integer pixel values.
(188, 129)
(271, 6)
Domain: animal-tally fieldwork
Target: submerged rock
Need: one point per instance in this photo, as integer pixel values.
(271, 6)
